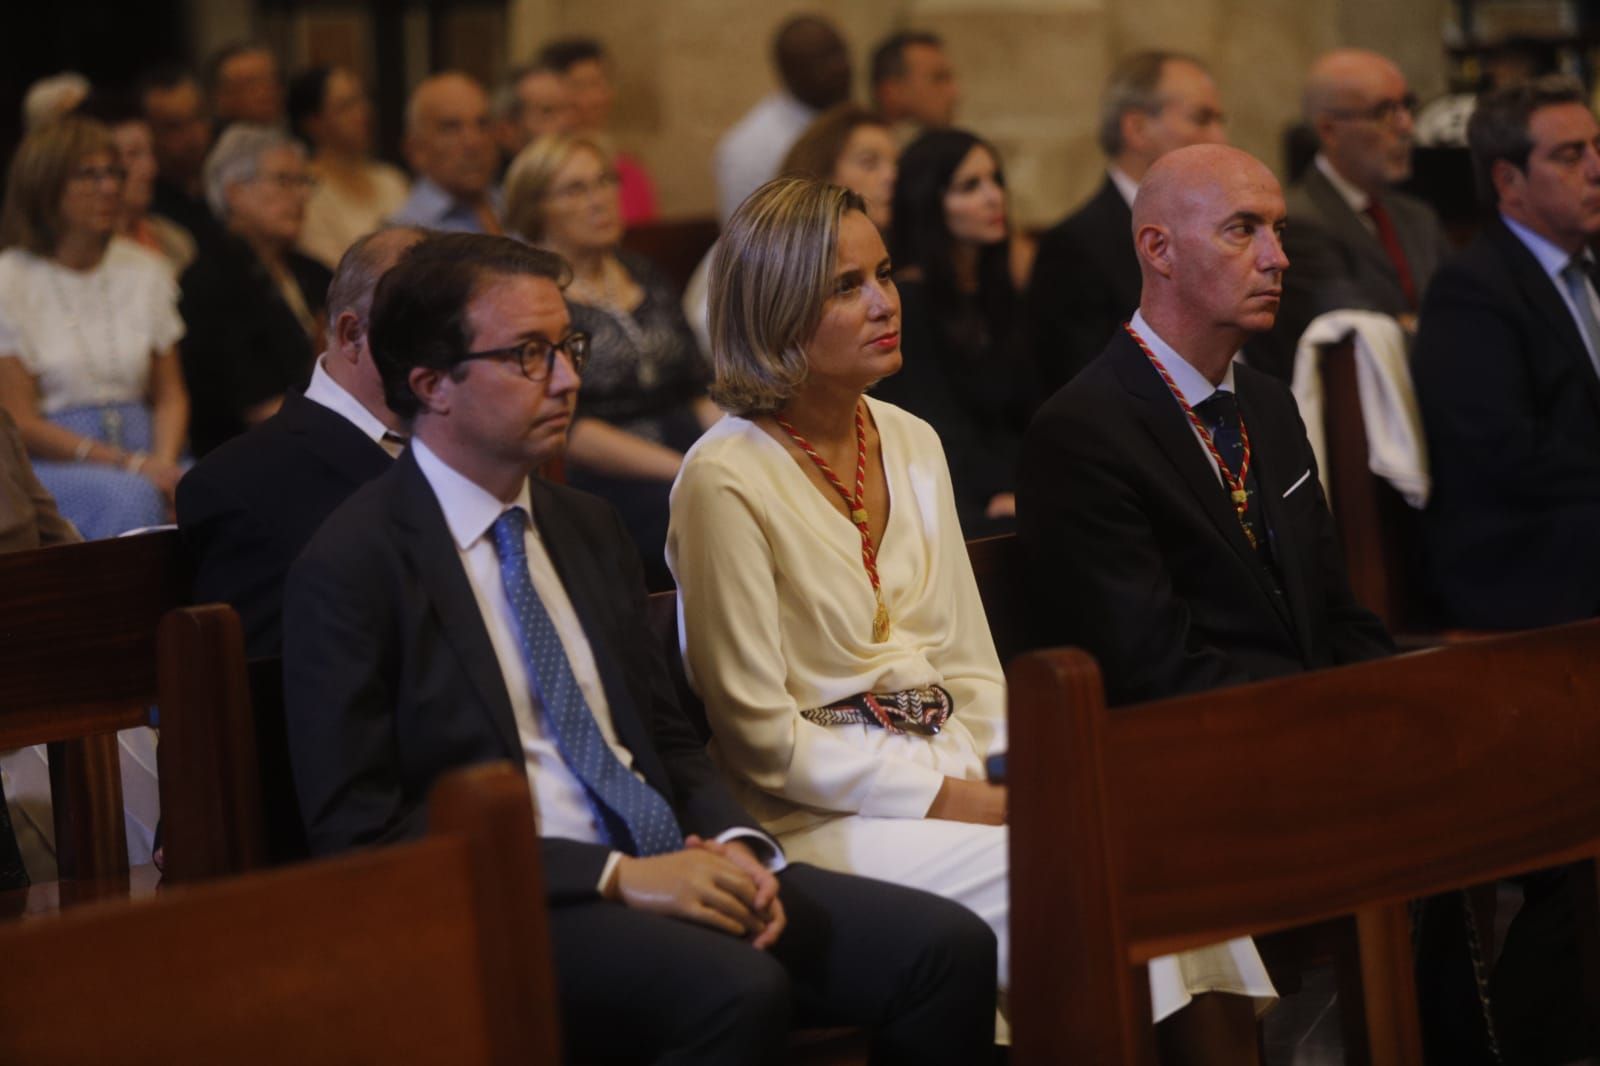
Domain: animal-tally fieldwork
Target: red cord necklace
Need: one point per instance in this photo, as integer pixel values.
(857, 505)
(1235, 482)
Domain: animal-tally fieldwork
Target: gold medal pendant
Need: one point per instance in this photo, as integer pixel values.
(880, 624)
(1241, 499)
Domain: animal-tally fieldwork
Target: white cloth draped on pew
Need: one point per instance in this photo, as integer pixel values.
(1396, 449)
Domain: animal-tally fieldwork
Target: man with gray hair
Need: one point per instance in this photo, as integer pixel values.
(1086, 278)
(252, 303)
(247, 509)
(531, 102)
(1355, 242)
(450, 147)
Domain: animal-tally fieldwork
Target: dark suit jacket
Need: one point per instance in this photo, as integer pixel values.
(1511, 407)
(1085, 285)
(1336, 263)
(247, 509)
(1136, 554)
(390, 679)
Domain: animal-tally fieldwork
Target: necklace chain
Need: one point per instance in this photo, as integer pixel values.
(857, 505)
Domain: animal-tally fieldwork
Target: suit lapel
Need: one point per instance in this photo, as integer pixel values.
(1350, 229)
(1541, 293)
(1166, 422)
(1273, 478)
(431, 551)
(333, 439)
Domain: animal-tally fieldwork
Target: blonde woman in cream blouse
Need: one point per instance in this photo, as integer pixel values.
(789, 614)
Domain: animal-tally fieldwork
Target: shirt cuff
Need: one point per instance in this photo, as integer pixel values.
(606, 871)
(766, 849)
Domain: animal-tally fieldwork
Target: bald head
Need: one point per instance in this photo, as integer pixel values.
(813, 61)
(1358, 104)
(448, 136)
(349, 359)
(1207, 225)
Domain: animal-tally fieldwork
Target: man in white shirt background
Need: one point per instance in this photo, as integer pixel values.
(249, 507)
(813, 64)
(458, 610)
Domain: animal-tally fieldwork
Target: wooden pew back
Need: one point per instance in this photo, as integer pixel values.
(427, 952)
(676, 246)
(77, 664)
(1171, 825)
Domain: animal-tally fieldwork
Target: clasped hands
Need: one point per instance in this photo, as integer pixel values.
(720, 885)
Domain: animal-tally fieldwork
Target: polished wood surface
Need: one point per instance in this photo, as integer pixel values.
(419, 953)
(77, 663)
(675, 246)
(1174, 824)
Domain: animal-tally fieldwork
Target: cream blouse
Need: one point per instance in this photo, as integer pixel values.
(775, 615)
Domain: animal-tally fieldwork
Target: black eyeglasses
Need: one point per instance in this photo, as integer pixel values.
(537, 356)
(1382, 111)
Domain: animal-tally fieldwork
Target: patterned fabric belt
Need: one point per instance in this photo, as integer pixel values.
(916, 710)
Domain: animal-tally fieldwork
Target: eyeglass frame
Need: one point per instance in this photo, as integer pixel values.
(1382, 112)
(94, 175)
(564, 346)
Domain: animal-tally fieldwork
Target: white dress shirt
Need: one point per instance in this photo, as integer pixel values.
(336, 398)
(750, 153)
(1554, 260)
(1125, 184)
(1191, 383)
(561, 801)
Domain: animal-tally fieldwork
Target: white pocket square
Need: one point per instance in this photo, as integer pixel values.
(1297, 484)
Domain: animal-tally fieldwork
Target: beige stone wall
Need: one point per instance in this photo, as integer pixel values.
(1031, 69)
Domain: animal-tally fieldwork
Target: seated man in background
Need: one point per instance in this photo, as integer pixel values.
(1168, 498)
(450, 147)
(247, 509)
(813, 63)
(1506, 370)
(245, 85)
(1355, 241)
(532, 102)
(1086, 276)
(457, 610)
(914, 84)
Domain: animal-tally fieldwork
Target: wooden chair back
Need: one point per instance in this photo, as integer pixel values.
(1170, 825)
(676, 247)
(227, 794)
(77, 664)
(1379, 532)
(429, 952)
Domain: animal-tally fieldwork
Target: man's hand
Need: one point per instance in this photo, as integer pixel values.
(767, 905)
(695, 884)
(970, 801)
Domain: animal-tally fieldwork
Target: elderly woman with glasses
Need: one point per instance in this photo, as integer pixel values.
(88, 321)
(644, 400)
(253, 303)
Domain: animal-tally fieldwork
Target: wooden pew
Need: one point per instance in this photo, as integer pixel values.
(676, 246)
(419, 953)
(77, 664)
(1166, 826)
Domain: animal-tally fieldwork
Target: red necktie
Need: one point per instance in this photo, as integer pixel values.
(1391, 246)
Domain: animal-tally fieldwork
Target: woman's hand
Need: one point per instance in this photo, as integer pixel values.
(162, 474)
(1002, 505)
(970, 801)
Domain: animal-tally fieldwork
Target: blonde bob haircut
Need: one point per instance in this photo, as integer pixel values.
(45, 160)
(531, 174)
(771, 275)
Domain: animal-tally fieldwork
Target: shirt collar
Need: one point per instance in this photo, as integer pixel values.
(1358, 200)
(336, 398)
(1125, 184)
(1192, 384)
(470, 510)
(1551, 256)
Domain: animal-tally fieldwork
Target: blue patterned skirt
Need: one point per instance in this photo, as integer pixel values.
(103, 501)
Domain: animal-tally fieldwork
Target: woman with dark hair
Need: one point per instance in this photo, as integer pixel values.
(330, 112)
(964, 370)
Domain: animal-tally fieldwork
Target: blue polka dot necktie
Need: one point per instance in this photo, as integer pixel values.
(633, 816)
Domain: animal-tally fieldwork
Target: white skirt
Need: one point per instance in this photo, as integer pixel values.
(970, 865)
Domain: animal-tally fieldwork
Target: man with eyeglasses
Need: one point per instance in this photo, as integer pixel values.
(1354, 242)
(1086, 278)
(459, 610)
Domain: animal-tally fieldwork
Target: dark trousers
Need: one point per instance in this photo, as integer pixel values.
(916, 970)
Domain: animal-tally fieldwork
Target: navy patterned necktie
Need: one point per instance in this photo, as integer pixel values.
(1220, 413)
(633, 816)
